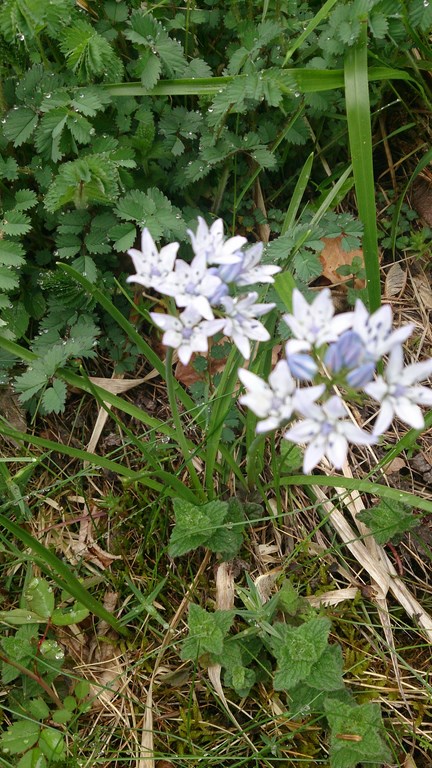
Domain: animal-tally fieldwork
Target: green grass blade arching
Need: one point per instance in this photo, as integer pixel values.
(360, 142)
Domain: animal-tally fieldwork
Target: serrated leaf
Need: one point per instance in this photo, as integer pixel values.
(25, 199)
(11, 253)
(54, 397)
(326, 674)
(39, 597)
(297, 650)
(49, 134)
(80, 128)
(124, 236)
(8, 168)
(86, 266)
(15, 223)
(364, 724)
(90, 101)
(206, 632)
(8, 280)
(20, 124)
(195, 525)
(389, 520)
(19, 737)
(38, 708)
(148, 69)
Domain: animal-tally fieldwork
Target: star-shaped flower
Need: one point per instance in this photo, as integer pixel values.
(325, 431)
(375, 331)
(241, 322)
(151, 265)
(187, 333)
(210, 242)
(314, 324)
(399, 393)
(249, 271)
(192, 285)
(273, 403)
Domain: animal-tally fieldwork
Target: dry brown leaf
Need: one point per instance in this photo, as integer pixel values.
(423, 289)
(395, 281)
(333, 256)
(422, 200)
(86, 548)
(333, 597)
(224, 587)
(395, 466)
(12, 411)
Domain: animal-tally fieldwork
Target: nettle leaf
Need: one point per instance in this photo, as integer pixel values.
(326, 674)
(195, 526)
(228, 538)
(206, 632)
(19, 737)
(20, 124)
(297, 650)
(389, 521)
(39, 597)
(93, 178)
(364, 724)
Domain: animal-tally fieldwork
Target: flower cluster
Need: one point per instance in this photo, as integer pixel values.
(337, 350)
(206, 287)
(327, 355)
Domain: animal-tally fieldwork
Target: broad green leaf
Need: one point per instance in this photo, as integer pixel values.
(52, 744)
(206, 632)
(8, 168)
(33, 759)
(39, 597)
(389, 520)
(25, 199)
(195, 525)
(19, 737)
(39, 708)
(148, 68)
(297, 649)
(364, 724)
(73, 615)
(326, 674)
(51, 651)
(18, 616)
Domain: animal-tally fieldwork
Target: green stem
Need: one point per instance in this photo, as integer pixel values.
(179, 431)
(252, 470)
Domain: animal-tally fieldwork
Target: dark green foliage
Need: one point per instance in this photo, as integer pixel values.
(85, 168)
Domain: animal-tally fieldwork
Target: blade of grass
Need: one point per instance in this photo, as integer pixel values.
(360, 142)
(354, 484)
(297, 195)
(61, 574)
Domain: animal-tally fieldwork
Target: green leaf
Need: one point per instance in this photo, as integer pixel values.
(33, 759)
(51, 651)
(18, 616)
(19, 737)
(39, 597)
(389, 520)
(326, 674)
(364, 723)
(52, 744)
(54, 397)
(20, 124)
(194, 525)
(38, 708)
(297, 649)
(206, 632)
(8, 168)
(25, 199)
(15, 223)
(228, 538)
(148, 68)
(73, 615)
(61, 716)
(124, 236)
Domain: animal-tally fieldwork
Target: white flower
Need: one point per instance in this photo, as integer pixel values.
(241, 323)
(399, 393)
(187, 333)
(210, 242)
(273, 403)
(325, 431)
(314, 324)
(247, 271)
(151, 265)
(375, 330)
(192, 285)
